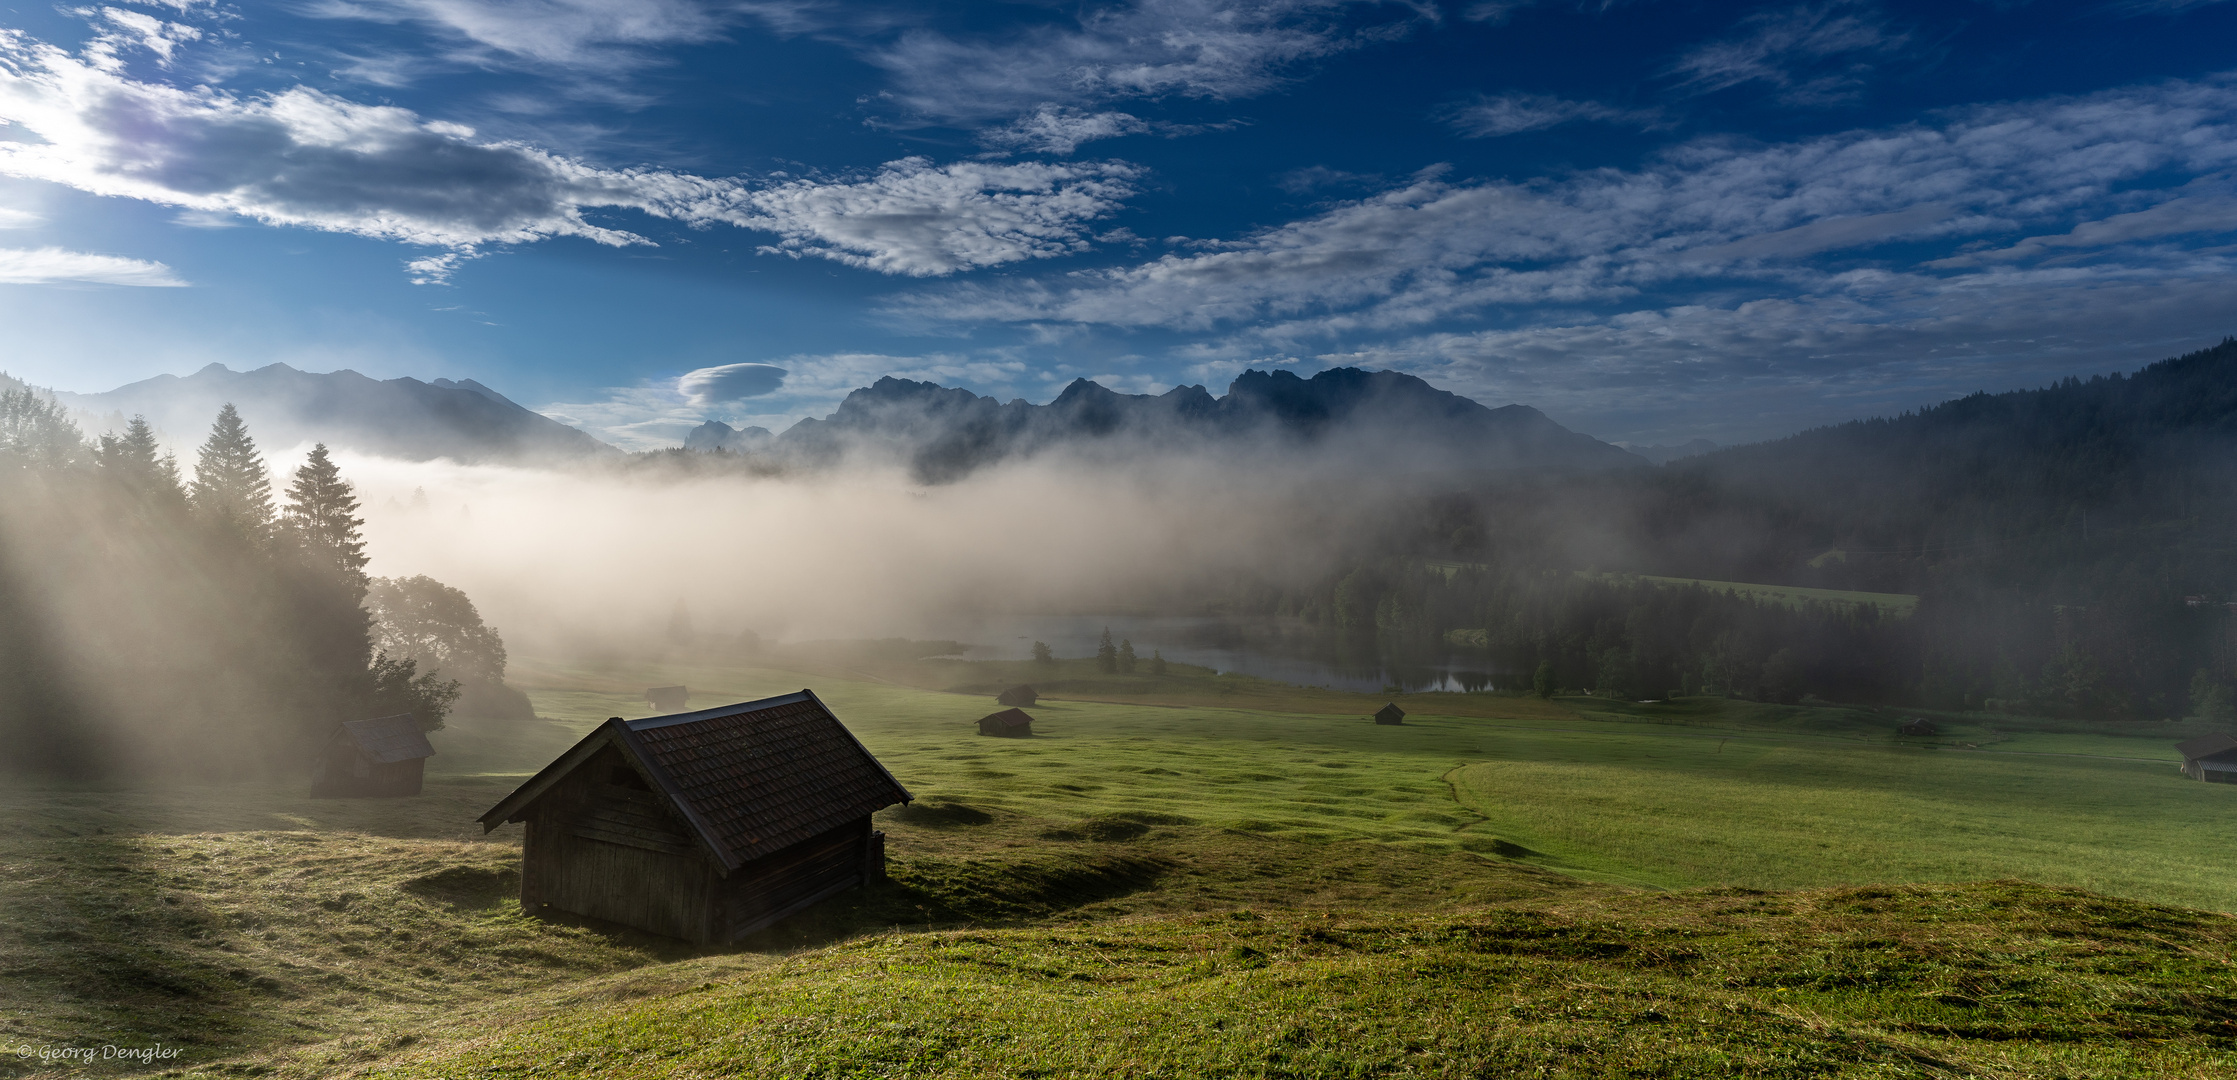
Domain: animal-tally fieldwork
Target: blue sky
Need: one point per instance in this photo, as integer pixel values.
(1654, 220)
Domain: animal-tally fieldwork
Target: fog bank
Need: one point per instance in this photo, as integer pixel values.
(561, 559)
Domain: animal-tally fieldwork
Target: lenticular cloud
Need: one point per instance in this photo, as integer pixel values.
(309, 159)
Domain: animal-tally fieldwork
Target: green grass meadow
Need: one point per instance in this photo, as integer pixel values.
(1188, 875)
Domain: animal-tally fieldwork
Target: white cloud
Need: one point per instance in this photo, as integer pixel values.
(730, 382)
(1711, 210)
(120, 30)
(1761, 368)
(1057, 129)
(1813, 54)
(50, 265)
(596, 35)
(916, 219)
(305, 158)
(437, 269)
(1215, 49)
(2175, 217)
(1487, 117)
(18, 219)
(656, 415)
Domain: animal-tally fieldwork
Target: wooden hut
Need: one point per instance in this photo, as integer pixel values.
(384, 756)
(1390, 714)
(1017, 695)
(706, 825)
(1009, 723)
(2212, 758)
(668, 699)
(1918, 725)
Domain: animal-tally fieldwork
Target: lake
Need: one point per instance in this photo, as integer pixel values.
(1281, 650)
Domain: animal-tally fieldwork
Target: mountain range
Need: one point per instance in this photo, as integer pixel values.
(943, 433)
(940, 433)
(404, 418)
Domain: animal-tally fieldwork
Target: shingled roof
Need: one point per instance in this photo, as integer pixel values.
(2206, 745)
(752, 778)
(385, 740)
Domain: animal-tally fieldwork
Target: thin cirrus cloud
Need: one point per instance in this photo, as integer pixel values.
(1811, 55)
(578, 35)
(51, 266)
(1486, 116)
(305, 158)
(1038, 88)
(2186, 215)
(1705, 216)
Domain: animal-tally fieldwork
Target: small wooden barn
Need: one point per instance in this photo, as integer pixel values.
(2212, 758)
(1009, 724)
(1017, 696)
(1918, 725)
(668, 699)
(706, 825)
(1390, 714)
(384, 756)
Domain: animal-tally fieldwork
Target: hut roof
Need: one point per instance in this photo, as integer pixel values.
(2206, 745)
(751, 778)
(1390, 711)
(1008, 718)
(386, 740)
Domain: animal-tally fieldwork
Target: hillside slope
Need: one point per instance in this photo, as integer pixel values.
(2144, 457)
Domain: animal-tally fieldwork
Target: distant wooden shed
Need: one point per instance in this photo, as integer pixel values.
(668, 699)
(2212, 758)
(1018, 695)
(707, 825)
(384, 756)
(1009, 723)
(1390, 714)
(1919, 725)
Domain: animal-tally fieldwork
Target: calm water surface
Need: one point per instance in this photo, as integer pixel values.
(1280, 650)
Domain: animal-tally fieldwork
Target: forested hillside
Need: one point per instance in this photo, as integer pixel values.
(2071, 548)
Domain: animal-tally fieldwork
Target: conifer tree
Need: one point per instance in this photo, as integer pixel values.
(133, 460)
(321, 519)
(1126, 656)
(1106, 653)
(1157, 662)
(231, 489)
(35, 431)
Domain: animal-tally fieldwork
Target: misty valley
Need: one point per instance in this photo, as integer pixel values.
(1329, 726)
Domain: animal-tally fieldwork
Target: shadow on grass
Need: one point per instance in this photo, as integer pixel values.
(132, 957)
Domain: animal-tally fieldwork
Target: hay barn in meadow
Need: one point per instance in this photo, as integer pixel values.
(1918, 725)
(1018, 695)
(2212, 758)
(384, 756)
(1390, 714)
(706, 825)
(1009, 723)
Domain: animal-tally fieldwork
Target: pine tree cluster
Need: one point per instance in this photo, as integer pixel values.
(152, 623)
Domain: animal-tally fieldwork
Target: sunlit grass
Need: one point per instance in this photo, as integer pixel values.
(1101, 863)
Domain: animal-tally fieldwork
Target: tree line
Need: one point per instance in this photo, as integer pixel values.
(203, 626)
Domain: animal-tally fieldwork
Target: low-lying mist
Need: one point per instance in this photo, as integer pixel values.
(573, 558)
